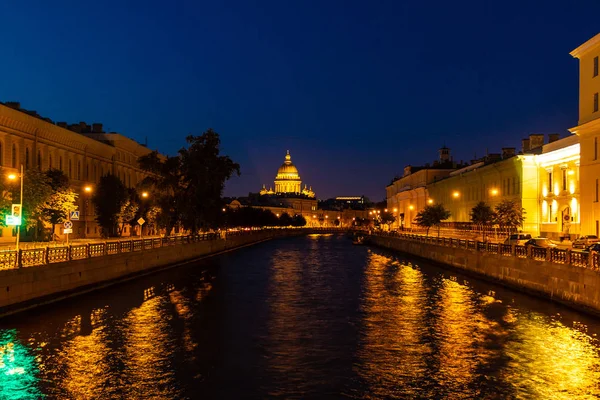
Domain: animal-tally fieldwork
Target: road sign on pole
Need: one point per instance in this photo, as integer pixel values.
(67, 231)
(68, 225)
(75, 215)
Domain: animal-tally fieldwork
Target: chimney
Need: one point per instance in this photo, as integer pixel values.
(75, 128)
(96, 127)
(13, 104)
(508, 152)
(493, 157)
(525, 144)
(536, 140)
(407, 170)
(553, 137)
(62, 124)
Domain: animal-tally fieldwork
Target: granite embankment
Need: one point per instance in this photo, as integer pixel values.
(564, 276)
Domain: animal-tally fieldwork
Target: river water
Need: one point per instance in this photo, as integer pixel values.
(310, 317)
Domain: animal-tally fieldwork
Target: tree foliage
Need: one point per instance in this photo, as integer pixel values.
(510, 214)
(432, 215)
(188, 187)
(482, 214)
(298, 220)
(62, 200)
(108, 200)
(285, 219)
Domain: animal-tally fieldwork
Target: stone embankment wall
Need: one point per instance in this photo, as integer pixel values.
(565, 283)
(27, 287)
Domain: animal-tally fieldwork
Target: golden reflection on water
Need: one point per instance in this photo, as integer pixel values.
(460, 332)
(392, 355)
(551, 361)
(183, 309)
(148, 349)
(85, 359)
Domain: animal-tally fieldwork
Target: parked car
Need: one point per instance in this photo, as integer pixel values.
(540, 242)
(592, 247)
(517, 238)
(585, 241)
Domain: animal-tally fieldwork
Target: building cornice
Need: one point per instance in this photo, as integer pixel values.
(592, 126)
(587, 46)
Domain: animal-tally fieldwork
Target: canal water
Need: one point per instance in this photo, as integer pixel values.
(301, 318)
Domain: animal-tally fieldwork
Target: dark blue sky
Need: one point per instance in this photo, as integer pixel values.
(355, 90)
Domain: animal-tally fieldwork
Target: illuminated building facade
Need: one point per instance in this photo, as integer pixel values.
(588, 130)
(558, 188)
(83, 152)
(491, 180)
(407, 195)
(287, 181)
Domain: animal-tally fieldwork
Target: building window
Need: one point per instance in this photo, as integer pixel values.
(1, 154)
(49, 161)
(549, 181)
(595, 66)
(564, 179)
(549, 212)
(70, 170)
(26, 158)
(595, 102)
(87, 172)
(60, 163)
(14, 156)
(39, 160)
(79, 170)
(596, 190)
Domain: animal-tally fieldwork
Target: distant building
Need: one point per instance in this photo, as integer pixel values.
(408, 194)
(289, 197)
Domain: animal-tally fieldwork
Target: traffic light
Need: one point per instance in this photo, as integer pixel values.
(16, 210)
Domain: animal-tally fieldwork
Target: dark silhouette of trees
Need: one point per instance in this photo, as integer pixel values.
(109, 198)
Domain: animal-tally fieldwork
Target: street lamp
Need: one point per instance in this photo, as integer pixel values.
(87, 189)
(455, 194)
(13, 177)
(430, 201)
(144, 194)
(494, 192)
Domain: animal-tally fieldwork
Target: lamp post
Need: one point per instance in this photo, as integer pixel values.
(12, 177)
(144, 197)
(87, 190)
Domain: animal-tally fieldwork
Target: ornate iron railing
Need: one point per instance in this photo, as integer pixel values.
(10, 259)
(575, 258)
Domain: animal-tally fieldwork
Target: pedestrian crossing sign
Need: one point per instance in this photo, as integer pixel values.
(75, 215)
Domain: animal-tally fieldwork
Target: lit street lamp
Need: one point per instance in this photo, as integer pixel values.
(87, 190)
(13, 177)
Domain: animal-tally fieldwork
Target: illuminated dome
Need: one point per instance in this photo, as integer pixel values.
(288, 180)
(287, 171)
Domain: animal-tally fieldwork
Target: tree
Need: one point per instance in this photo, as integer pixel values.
(128, 212)
(336, 222)
(482, 215)
(108, 200)
(432, 215)
(298, 220)
(62, 200)
(205, 172)
(165, 185)
(387, 218)
(188, 187)
(36, 193)
(285, 219)
(510, 214)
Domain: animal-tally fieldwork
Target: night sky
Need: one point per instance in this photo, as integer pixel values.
(355, 90)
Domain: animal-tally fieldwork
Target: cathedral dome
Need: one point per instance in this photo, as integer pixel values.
(288, 171)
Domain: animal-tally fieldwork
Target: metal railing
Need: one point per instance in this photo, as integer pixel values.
(11, 259)
(581, 259)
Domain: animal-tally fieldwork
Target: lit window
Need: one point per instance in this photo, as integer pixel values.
(549, 181)
(564, 179)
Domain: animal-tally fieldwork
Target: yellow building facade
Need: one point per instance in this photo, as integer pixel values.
(514, 178)
(559, 188)
(34, 142)
(588, 130)
(408, 195)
